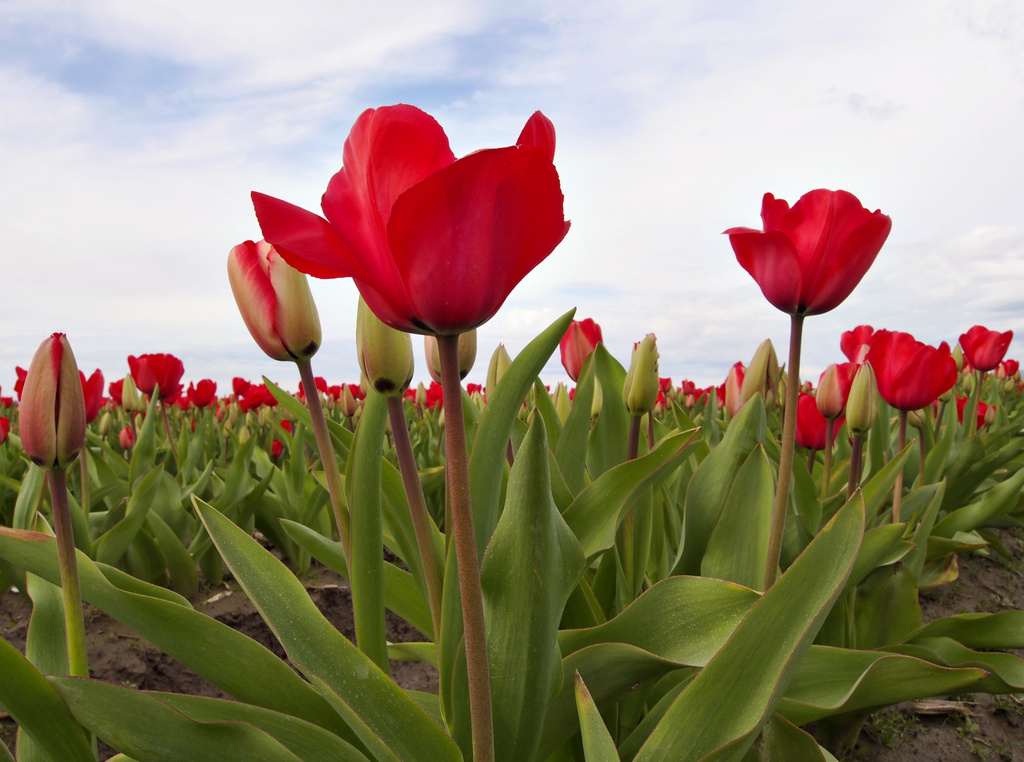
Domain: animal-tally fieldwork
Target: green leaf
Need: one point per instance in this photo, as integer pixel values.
(886, 607)
(495, 428)
(1005, 671)
(683, 619)
(532, 564)
(238, 665)
(738, 547)
(595, 513)
(830, 681)
(383, 716)
(38, 710)
(180, 564)
(571, 453)
(710, 484)
(339, 433)
(609, 437)
(29, 495)
(144, 449)
(878, 487)
(367, 562)
(983, 631)
(996, 501)
(114, 542)
(785, 742)
(751, 671)
(598, 745)
(147, 728)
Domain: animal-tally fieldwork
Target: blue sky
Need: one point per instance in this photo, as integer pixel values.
(134, 131)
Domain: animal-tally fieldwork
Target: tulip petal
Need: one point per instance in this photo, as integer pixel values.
(774, 264)
(464, 237)
(305, 240)
(837, 275)
(540, 132)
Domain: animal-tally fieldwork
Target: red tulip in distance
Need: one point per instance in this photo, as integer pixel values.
(92, 388)
(434, 244)
(985, 349)
(51, 419)
(910, 374)
(157, 370)
(577, 345)
(810, 257)
(856, 343)
(202, 394)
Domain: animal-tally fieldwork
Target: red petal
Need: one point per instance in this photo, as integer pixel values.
(773, 262)
(305, 240)
(539, 132)
(464, 237)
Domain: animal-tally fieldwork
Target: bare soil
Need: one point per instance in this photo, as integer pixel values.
(955, 729)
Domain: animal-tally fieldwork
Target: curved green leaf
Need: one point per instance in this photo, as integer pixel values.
(598, 745)
(386, 718)
(1006, 671)
(985, 631)
(751, 671)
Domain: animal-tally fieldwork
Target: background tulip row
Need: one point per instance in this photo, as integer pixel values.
(630, 570)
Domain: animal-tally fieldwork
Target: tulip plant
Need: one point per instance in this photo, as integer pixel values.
(635, 572)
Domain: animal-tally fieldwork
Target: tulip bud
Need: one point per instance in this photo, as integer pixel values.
(421, 395)
(385, 354)
(52, 413)
(862, 405)
(275, 302)
(125, 438)
(578, 343)
(833, 389)
(734, 389)
(969, 383)
(640, 391)
(958, 358)
(761, 376)
(916, 418)
(467, 354)
(347, 402)
(500, 361)
(595, 404)
(103, 428)
(990, 415)
(563, 405)
(131, 400)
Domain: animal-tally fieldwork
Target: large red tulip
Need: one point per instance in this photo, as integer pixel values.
(157, 370)
(92, 388)
(51, 420)
(434, 244)
(580, 340)
(910, 375)
(809, 258)
(985, 349)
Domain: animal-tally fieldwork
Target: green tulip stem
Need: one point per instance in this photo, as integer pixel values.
(830, 438)
(327, 456)
(650, 429)
(633, 446)
(897, 490)
(464, 539)
(778, 525)
(856, 463)
(417, 508)
(972, 409)
(83, 477)
(74, 619)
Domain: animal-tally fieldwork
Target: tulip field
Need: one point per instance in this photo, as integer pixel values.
(634, 568)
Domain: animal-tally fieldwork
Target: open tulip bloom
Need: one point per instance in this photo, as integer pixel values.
(434, 244)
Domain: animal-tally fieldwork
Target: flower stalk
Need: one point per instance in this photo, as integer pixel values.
(74, 618)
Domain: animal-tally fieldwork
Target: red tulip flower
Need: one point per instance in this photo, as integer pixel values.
(856, 343)
(1007, 369)
(276, 448)
(5, 428)
(983, 348)
(115, 391)
(157, 370)
(910, 375)
(808, 259)
(92, 388)
(434, 244)
(19, 384)
(811, 425)
(239, 386)
(578, 344)
(202, 394)
(126, 438)
(961, 403)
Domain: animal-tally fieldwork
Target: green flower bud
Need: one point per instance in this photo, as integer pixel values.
(385, 354)
(563, 405)
(762, 375)
(497, 367)
(131, 400)
(467, 354)
(640, 391)
(862, 405)
(595, 405)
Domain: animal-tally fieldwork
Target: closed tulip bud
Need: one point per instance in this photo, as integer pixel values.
(347, 402)
(131, 400)
(734, 389)
(595, 404)
(640, 391)
(563, 405)
(958, 357)
(125, 438)
(990, 415)
(862, 405)
(467, 354)
(275, 301)
(52, 412)
(833, 389)
(500, 361)
(103, 427)
(385, 355)
(968, 384)
(761, 376)
(916, 418)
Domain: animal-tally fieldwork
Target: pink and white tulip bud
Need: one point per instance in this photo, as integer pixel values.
(347, 401)
(734, 389)
(52, 413)
(834, 389)
(275, 301)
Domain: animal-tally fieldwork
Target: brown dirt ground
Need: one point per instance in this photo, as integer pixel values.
(964, 728)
